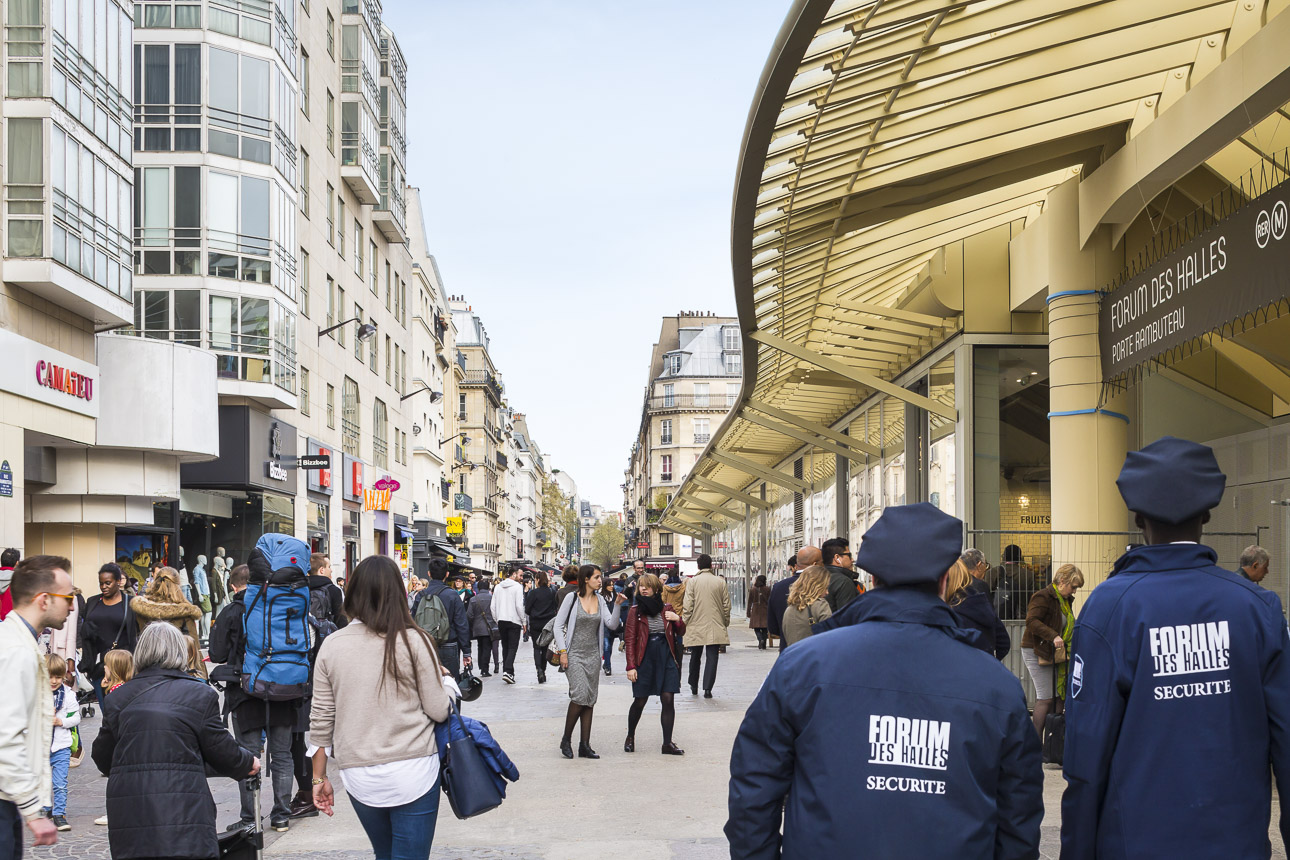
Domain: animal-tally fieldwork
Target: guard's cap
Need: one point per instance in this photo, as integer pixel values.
(1171, 480)
(910, 544)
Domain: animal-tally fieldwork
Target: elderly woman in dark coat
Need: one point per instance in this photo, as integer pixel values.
(160, 733)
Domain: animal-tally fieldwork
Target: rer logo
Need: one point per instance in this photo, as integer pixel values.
(1271, 226)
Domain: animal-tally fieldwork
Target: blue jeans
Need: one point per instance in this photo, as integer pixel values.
(401, 832)
(609, 647)
(59, 762)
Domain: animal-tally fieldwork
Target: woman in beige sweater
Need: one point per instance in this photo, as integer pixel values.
(378, 693)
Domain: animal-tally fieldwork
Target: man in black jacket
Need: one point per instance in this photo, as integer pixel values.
(228, 646)
(777, 603)
(454, 653)
(842, 574)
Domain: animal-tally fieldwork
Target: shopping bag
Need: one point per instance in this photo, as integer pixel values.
(467, 779)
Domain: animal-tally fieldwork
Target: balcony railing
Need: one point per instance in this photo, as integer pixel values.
(485, 379)
(710, 402)
(702, 438)
(248, 357)
(461, 359)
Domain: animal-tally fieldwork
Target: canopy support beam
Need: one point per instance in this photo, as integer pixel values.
(757, 470)
(730, 492)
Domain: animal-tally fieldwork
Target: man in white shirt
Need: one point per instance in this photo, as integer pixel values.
(508, 610)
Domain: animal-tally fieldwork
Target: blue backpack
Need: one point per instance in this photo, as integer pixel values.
(276, 619)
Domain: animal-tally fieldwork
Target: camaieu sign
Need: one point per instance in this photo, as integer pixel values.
(1234, 268)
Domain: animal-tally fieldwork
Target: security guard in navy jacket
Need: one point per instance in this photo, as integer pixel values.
(894, 736)
(1179, 693)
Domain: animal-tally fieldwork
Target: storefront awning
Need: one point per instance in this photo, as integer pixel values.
(406, 534)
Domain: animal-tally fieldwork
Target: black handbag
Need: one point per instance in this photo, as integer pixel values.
(1054, 746)
(466, 777)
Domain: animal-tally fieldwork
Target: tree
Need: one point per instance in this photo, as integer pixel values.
(606, 543)
(558, 516)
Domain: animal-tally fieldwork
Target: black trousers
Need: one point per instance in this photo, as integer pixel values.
(11, 831)
(709, 671)
(450, 657)
(483, 647)
(510, 633)
(539, 658)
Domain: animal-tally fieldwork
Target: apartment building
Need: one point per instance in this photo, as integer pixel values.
(695, 373)
(93, 428)
(270, 232)
(524, 483)
(480, 476)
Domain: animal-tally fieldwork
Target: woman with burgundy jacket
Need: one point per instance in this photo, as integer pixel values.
(653, 629)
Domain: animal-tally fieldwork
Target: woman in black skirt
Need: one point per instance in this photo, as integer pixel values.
(653, 629)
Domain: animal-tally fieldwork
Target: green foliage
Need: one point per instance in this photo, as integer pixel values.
(607, 541)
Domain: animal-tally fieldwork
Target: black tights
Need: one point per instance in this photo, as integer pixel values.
(668, 717)
(578, 712)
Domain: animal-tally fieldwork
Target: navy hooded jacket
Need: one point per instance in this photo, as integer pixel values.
(1179, 697)
(892, 737)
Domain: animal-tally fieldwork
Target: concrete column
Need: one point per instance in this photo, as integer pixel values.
(12, 507)
(842, 495)
(762, 543)
(1088, 438)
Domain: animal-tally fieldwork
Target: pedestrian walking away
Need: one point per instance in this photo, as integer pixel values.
(808, 603)
(579, 631)
(778, 600)
(8, 560)
(652, 664)
(540, 607)
(971, 603)
(163, 601)
(947, 765)
(41, 591)
(160, 733)
(758, 610)
(1179, 685)
(249, 714)
(454, 648)
(378, 694)
(483, 626)
(508, 609)
(1254, 563)
(707, 623)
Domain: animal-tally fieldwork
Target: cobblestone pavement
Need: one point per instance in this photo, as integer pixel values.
(533, 823)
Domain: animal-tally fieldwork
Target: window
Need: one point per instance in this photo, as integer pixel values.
(665, 543)
(304, 82)
(331, 35)
(701, 431)
(380, 434)
(358, 344)
(331, 304)
(666, 476)
(340, 225)
(387, 286)
(674, 364)
(304, 182)
(730, 338)
(331, 406)
(372, 343)
(340, 314)
(403, 303)
(358, 248)
(734, 362)
(461, 407)
(331, 214)
(700, 394)
(304, 282)
(304, 391)
(237, 219)
(371, 256)
(26, 178)
(331, 121)
(403, 371)
(387, 359)
(665, 432)
(732, 393)
(349, 428)
(239, 104)
(669, 394)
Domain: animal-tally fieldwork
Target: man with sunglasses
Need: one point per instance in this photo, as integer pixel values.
(843, 580)
(42, 597)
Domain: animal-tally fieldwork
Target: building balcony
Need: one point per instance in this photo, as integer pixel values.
(390, 212)
(487, 381)
(54, 282)
(357, 168)
(689, 403)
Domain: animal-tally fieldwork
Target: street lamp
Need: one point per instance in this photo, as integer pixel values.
(365, 330)
(465, 440)
(435, 396)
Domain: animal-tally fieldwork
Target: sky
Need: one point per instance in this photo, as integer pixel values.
(576, 161)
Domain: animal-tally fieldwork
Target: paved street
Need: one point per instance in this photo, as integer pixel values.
(604, 797)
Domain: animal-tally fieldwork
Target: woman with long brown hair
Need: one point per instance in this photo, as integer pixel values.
(579, 631)
(164, 601)
(378, 693)
(807, 603)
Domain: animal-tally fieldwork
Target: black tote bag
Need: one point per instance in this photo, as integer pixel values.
(466, 777)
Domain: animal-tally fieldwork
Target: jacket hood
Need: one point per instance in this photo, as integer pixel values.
(851, 573)
(317, 580)
(907, 606)
(1160, 557)
(155, 610)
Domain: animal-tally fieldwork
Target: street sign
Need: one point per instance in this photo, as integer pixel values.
(314, 461)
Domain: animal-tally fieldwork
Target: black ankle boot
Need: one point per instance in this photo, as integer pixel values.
(585, 751)
(566, 748)
(629, 745)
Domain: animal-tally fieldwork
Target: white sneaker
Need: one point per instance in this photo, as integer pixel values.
(101, 821)
(508, 678)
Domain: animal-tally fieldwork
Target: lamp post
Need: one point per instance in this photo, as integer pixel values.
(435, 396)
(365, 329)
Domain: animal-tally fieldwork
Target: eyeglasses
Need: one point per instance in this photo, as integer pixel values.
(68, 597)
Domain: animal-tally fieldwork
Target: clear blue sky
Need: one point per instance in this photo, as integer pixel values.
(576, 160)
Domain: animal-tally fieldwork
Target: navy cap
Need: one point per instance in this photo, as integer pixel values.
(910, 544)
(1171, 480)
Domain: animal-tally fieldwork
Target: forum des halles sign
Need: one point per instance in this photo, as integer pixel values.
(1236, 267)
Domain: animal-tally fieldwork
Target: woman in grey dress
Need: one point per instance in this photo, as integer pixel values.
(579, 631)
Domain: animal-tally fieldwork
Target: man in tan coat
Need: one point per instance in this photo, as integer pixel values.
(707, 620)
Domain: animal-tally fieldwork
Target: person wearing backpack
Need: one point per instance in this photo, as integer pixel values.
(228, 646)
(439, 611)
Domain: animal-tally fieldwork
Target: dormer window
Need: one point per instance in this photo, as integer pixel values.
(674, 364)
(734, 362)
(730, 338)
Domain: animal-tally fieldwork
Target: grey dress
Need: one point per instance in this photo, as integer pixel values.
(584, 657)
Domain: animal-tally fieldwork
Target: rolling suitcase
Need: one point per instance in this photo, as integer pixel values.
(246, 843)
(1054, 747)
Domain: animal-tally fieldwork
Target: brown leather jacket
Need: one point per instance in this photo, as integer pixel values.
(1044, 622)
(638, 634)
